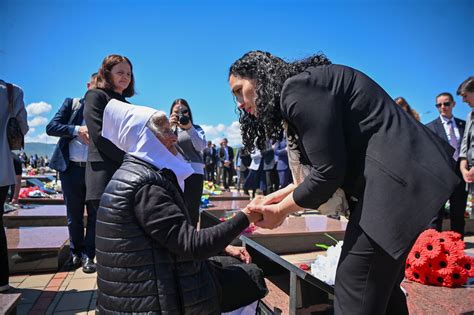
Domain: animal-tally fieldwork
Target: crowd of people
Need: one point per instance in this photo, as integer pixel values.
(311, 130)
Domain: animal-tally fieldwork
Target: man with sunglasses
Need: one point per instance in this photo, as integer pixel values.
(451, 129)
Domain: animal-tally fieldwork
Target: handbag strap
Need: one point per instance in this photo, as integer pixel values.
(10, 97)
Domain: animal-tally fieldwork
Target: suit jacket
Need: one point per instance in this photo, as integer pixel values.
(355, 137)
(437, 127)
(62, 125)
(209, 158)
(7, 171)
(281, 155)
(222, 155)
(100, 148)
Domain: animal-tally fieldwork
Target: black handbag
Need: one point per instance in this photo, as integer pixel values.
(15, 136)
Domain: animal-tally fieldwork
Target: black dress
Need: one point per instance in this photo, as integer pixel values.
(104, 158)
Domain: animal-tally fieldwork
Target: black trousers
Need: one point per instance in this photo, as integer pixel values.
(192, 196)
(227, 176)
(4, 269)
(457, 206)
(210, 170)
(74, 189)
(239, 284)
(368, 279)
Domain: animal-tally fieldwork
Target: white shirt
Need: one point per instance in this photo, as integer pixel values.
(447, 127)
(77, 148)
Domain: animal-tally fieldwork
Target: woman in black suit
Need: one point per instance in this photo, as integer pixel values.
(114, 81)
(395, 172)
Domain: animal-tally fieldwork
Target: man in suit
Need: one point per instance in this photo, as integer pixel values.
(210, 158)
(226, 156)
(450, 129)
(69, 158)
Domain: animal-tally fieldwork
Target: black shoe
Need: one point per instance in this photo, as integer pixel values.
(75, 261)
(88, 265)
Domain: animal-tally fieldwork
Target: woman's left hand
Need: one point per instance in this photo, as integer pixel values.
(239, 253)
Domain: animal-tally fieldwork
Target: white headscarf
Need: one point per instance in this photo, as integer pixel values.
(125, 125)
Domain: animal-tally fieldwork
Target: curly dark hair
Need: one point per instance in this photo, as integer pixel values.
(270, 73)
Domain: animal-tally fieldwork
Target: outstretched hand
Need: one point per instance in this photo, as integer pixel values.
(272, 216)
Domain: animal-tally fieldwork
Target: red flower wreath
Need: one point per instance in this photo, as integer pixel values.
(439, 259)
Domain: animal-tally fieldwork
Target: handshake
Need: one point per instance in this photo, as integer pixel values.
(270, 211)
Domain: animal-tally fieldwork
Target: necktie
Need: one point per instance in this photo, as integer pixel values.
(452, 140)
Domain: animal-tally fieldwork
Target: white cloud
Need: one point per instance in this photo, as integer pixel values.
(43, 138)
(37, 121)
(31, 130)
(215, 133)
(39, 108)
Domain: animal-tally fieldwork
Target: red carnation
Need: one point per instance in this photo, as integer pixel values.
(467, 263)
(416, 257)
(454, 236)
(454, 247)
(440, 262)
(430, 247)
(429, 233)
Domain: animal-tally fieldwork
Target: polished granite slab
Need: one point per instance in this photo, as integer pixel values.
(229, 195)
(220, 205)
(295, 235)
(38, 215)
(8, 302)
(37, 238)
(425, 299)
(42, 201)
(34, 249)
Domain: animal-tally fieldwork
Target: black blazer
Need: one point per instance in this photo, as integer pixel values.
(62, 125)
(100, 148)
(437, 127)
(355, 137)
(104, 158)
(230, 150)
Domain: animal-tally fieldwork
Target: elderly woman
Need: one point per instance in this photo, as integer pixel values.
(150, 258)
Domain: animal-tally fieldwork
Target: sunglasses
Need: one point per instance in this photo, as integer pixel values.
(445, 104)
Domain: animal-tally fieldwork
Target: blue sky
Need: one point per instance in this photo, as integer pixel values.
(182, 49)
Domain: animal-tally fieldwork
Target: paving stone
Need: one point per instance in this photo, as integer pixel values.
(74, 301)
(18, 279)
(79, 274)
(36, 281)
(28, 296)
(81, 284)
(23, 308)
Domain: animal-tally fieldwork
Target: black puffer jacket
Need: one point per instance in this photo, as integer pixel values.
(149, 258)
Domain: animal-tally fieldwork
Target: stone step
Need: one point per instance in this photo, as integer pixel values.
(48, 215)
(41, 201)
(8, 302)
(35, 249)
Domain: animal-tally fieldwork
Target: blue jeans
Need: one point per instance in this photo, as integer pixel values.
(74, 189)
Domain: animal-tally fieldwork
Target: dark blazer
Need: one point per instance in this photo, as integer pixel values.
(355, 137)
(437, 127)
(209, 158)
(100, 148)
(59, 126)
(281, 155)
(104, 158)
(222, 155)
